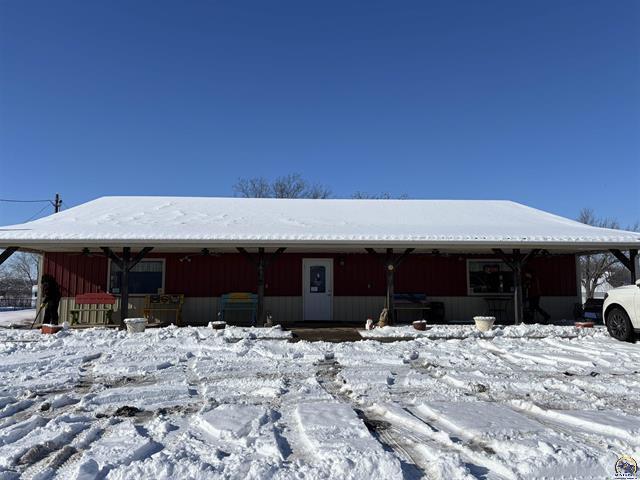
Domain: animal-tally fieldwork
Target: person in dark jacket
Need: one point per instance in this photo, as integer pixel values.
(50, 298)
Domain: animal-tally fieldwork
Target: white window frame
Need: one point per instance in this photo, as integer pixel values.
(470, 292)
(164, 271)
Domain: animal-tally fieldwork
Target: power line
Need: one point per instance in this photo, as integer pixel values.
(34, 216)
(57, 204)
(24, 201)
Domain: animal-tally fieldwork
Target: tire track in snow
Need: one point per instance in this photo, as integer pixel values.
(423, 445)
(34, 460)
(57, 459)
(436, 450)
(560, 391)
(61, 465)
(598, 435)
(327, 377)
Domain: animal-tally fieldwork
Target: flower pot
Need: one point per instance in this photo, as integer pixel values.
(420, 325)
(47, 328)
(584, 324)
(135, 325)
(218, 325)
(484, 324)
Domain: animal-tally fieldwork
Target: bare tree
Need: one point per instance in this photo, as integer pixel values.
(289, 186)
(257, 187)
(378, 196)
(317, 191)
(598, 268)
(18, 275)
(25, 266)
(285, 186)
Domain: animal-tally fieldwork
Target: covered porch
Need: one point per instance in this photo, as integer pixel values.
(318, 260)
(351, 284)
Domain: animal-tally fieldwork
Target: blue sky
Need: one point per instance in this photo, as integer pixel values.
(536, 101)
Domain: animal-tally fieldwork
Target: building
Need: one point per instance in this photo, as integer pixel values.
(315, 260)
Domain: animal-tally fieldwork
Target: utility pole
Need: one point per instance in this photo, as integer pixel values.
(57, 203)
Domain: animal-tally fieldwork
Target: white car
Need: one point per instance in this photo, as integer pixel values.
(621, 312)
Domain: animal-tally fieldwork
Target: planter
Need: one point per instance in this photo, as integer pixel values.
(135, 325)
(484, 324)
(218, 325)
(420, 325)
(584, 324)
(47, 328)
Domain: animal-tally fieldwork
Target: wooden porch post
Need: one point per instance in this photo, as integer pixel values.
(391, 262)
(124, 286)
(629, 262)
(6, 253)
(515, 263)
(125, 263)
(391, 270)
(260, 308)
(262, 261)
(517, 287)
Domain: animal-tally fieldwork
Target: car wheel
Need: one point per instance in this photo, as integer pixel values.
(619, 325)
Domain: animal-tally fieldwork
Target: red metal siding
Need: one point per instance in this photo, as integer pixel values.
(77, 273)
(435, 276)
(354, 274)
(208, 276)
(557, 275)
(358, 274)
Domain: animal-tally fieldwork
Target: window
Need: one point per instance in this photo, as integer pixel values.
(489, 277)
(147, 277)
(317, 279)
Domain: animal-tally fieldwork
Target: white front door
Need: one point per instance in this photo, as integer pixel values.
(317, 288)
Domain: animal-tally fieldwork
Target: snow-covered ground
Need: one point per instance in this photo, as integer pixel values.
(528, 402)
(17, 318)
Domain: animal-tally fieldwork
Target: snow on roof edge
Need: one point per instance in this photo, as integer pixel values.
(231, 219)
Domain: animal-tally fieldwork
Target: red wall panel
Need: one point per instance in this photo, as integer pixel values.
(435, 276)
(557, 275)
(76, 273)
(208, 276)
(354, 274)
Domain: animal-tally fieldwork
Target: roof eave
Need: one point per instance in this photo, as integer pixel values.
(445, 244)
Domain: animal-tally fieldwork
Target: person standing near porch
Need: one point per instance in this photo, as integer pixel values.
(532, 295)
(50, 299)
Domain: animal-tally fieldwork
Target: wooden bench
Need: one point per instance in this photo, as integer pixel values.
(164, 303)
(239, 301)
(98, 304)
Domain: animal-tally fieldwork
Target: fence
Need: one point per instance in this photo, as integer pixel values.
(16, 302)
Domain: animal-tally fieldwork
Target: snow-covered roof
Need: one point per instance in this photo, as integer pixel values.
(157, 221)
